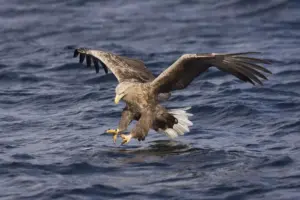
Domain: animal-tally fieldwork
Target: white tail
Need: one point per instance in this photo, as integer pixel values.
(183, 124)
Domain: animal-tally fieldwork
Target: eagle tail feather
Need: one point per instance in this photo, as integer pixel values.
(183, 124)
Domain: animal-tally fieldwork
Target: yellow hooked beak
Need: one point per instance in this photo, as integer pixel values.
(118, 98)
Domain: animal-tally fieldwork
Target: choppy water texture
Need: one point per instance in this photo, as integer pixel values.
(245, 141)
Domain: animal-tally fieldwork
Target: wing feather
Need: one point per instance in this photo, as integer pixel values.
(88, 61)
(96, 64)
(239, 74)
(81, 58)
(245, 72)
(252, 65)
(253, 70)
(252, 60)
(183, 71)
(122, 67)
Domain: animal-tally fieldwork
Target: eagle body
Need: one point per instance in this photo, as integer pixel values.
(140, 98)
(142, 91)
(138, 95)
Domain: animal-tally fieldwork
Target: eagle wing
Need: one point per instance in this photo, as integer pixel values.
(184, 70)
(125, 69)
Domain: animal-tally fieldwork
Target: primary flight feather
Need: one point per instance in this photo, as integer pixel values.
(142, 91)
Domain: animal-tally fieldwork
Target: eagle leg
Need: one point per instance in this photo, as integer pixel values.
(127, 117)
(115, 133)
(126, 138)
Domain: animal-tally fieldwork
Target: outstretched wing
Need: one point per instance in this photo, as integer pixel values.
(182, 72)
(122, 67)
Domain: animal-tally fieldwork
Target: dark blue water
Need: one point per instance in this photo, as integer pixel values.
(244, 144)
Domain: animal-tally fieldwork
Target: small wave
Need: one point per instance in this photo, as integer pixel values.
(220, 189)
(278, 148)
(100, 189)
(16, 93)
(2, 66)
(213, 74)
(292, 85)
(289, 72)
(254, 146)
(288, 105)
(8, 146)
(9, 118)
(287, 128)
(69, 66)
(263, 8)
(83, 168)
(169, 147)
(22, 156)
(236, 110)
(257, 190)
(231, 91)
(101, 79)
(58, 168)
(70, 47)
(28, 65)
(210, 109)
(243, 109)
(8, 76)
(245, 8)
(293, 176)
(95, 191)
(88, 96)
(142, 164)
(285, 89)
(277, 162)
(170, 181)
(44, 99)
(31, 79)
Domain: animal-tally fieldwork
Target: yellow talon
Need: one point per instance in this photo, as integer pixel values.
(115, 133)
(126, 138)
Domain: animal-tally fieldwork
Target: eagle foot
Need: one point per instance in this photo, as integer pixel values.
(126, 138)
(115, 133)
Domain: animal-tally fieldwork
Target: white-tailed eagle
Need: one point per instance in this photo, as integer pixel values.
(142, 91)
